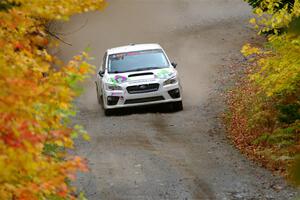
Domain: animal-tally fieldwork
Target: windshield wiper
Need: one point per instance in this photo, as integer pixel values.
(115, 72)
(135, 70)
(148, 68)
(142, 69)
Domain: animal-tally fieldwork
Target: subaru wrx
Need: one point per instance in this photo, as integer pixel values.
(137, 75)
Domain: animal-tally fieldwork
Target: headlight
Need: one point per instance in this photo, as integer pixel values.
(170, 81)
(113, 87)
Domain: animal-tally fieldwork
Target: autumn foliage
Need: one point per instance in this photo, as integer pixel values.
(36, 98)
(264, 117)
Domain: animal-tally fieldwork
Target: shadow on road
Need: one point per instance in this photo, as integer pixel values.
(157, 108)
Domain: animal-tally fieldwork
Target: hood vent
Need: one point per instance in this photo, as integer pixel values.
(140, 74)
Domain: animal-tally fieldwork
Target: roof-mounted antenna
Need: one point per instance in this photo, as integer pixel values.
(131, 44)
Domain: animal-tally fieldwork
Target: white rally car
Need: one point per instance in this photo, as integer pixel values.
(136, 75)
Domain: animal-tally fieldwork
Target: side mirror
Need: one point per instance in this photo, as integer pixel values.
(174, 64)
(101, 73)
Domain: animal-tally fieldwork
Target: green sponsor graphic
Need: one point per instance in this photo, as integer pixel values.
(163, 74)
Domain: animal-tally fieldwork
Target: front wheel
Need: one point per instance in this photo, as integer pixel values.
(108, 112)
(177, 106)
(98, 96)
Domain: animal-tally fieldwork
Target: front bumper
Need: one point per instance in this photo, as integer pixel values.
(121, 98)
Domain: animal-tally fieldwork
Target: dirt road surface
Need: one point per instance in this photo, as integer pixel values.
(148, 153)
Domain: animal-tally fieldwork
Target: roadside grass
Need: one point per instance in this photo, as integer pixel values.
(263, 127)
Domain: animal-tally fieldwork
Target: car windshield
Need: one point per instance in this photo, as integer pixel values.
(137, 61)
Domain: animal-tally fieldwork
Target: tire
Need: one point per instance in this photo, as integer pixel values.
(98, 97)
(177, 106)
(108, 112)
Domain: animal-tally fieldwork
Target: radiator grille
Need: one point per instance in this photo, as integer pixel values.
(145, 88)
(144, 100)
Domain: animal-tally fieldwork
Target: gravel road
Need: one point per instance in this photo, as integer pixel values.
(150, 153)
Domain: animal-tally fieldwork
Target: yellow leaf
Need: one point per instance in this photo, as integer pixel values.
(86, 137)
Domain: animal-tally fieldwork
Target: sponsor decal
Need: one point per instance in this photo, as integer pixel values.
(164, 74)
(118, 79)
(117, 94)
(141, 81)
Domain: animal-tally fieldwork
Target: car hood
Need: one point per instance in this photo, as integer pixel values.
(141, 76)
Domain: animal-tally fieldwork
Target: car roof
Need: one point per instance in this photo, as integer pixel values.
(133, 47)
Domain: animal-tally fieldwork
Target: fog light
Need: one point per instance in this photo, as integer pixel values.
(112, 100)
(175, 93)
